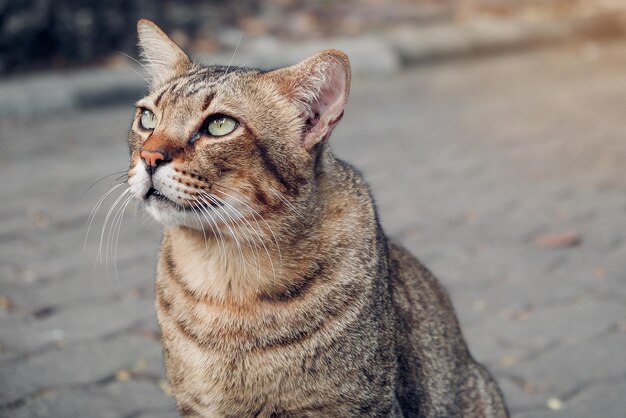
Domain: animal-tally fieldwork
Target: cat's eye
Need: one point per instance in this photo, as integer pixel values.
(220, 125)
(147, 120)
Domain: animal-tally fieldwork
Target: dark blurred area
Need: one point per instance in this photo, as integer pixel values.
(36, 34)
(57, 33)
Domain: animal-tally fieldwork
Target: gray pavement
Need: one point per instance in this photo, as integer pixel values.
(472, 164)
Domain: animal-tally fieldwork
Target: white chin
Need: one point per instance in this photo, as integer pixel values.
(200, 219)
(168, 215)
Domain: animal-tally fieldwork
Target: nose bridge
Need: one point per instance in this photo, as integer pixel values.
(158, 149)
(159, 141)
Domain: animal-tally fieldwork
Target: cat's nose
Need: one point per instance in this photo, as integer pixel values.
(153, 159)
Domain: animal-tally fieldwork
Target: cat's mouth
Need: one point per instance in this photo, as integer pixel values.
(154, 193)
(160, 197)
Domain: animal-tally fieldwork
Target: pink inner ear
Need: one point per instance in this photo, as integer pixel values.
(328, 106)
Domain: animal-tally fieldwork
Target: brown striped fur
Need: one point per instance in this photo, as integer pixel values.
(298, 305)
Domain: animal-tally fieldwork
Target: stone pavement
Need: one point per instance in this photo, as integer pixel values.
(472, 163)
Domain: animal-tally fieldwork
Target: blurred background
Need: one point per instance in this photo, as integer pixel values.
(45, 34)
(492, 132)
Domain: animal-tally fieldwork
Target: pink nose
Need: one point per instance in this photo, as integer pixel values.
(152, 159)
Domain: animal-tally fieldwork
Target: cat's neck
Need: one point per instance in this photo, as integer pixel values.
(239, 271)
(226, 270)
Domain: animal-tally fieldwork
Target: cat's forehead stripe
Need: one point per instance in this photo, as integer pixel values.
(207, 101)
(157, 101)
(196, 81)
(191, 84)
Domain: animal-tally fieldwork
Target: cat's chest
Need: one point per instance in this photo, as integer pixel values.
(233, 375)
(232, 358)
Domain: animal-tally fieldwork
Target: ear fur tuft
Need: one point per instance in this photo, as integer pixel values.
(163, 57)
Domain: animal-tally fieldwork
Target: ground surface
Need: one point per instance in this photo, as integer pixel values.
(471, 163)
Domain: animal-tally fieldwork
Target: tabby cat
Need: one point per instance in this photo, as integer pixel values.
(278, 293)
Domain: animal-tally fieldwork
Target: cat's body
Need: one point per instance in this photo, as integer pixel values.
(289, 301)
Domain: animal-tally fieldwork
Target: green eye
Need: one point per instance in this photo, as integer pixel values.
(147, 120)
(220, 125)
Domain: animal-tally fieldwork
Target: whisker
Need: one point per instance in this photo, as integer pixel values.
(216, 231)
(106, 220)
(232, 57)
(145, 67)
(138, 73)
(136, 207)
(103, 178)
(286, 202)
(111, 234)
(229, 228)
(147, 219)
(94, 211)
(247, 229)
(152, 66)
(251, 228)
(206, 244)
(234, 72)
(117, 239)
(255, 214)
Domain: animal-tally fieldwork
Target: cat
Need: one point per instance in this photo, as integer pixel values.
(277, 292)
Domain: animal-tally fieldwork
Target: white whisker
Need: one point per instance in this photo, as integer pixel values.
(95, 210)
(138, 73)
(106, 219)
(111, 235)
(286, 202)
(251, 228)
(206, 243)
(243, 261)
(145, 67)
(216, 231)
(250, 239)
(117, 238)
(232, 58)
(255, 214)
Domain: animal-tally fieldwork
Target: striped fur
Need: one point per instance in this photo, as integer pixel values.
(278, 293)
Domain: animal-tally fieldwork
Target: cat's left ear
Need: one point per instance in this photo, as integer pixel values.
(164, 59)
(320, 85)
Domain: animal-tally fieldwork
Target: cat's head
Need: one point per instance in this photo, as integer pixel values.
(213, 143)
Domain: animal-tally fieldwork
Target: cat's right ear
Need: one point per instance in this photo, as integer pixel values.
(320, 86)
(163, 58)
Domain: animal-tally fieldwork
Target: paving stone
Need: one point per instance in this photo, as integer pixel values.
(567, 369)
(76, 288)
(517, 397)
(541, 413)
(533, 330)
(159, 414)
(79, 324)
(112, 400)
(606, 397)
(75, 365)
